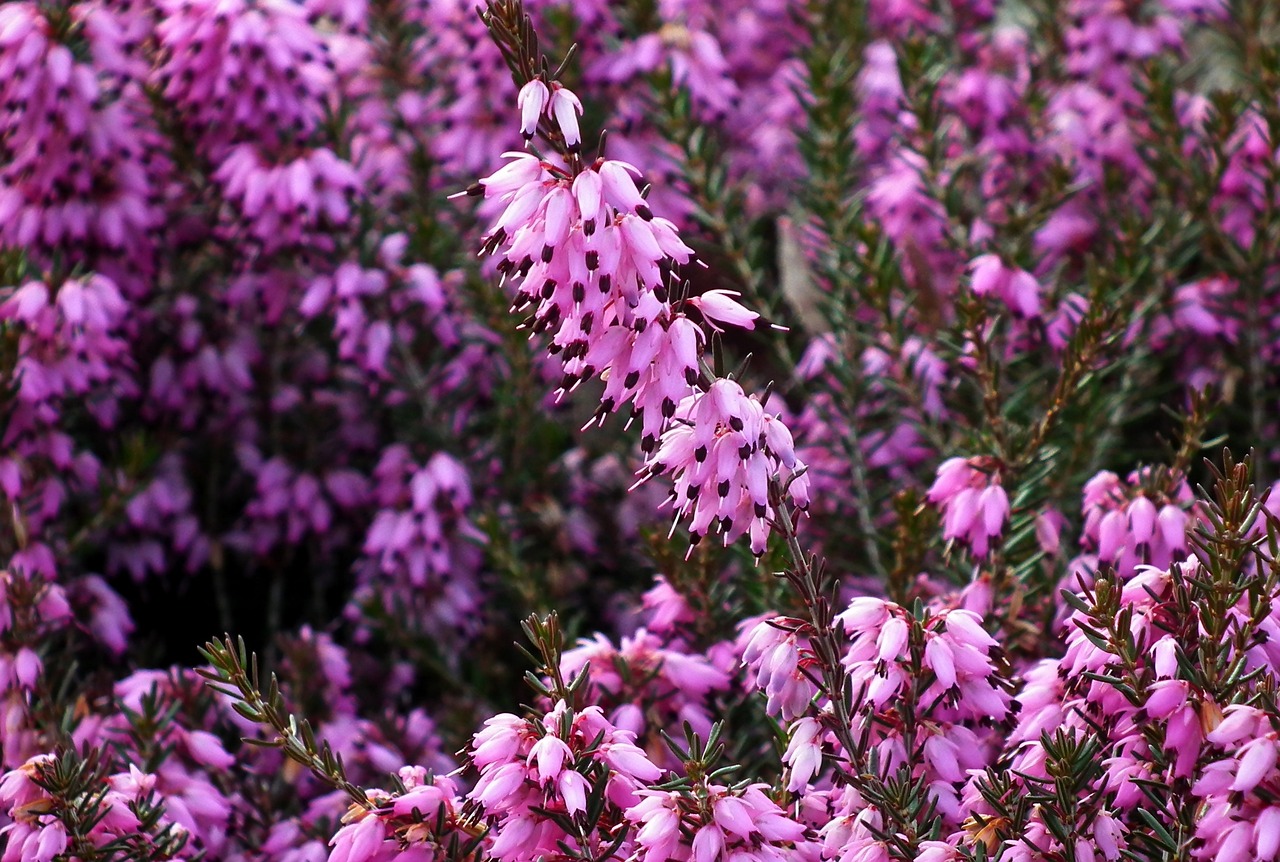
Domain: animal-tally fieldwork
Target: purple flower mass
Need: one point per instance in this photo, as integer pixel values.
(841, 405)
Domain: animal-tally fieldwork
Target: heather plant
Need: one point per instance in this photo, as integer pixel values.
(844, 404)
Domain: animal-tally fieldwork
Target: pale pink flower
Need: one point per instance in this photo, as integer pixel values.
(566, 108)
(974, 506)
(533, 101)
(718, 306)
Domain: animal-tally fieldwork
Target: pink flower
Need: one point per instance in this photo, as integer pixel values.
(718, 306)
(1129, 527)
(1256, 761)
(566, 108)
(804, 753)
(975, 508)
(772, 652)
(529, 766)
(1017, 288)
(722, 454)
(742, 824)
(588, 257)
(533, 101)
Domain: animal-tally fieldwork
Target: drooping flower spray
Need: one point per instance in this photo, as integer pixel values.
(597, 273)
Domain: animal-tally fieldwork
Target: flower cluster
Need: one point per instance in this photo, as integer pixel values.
(31, 609)
(420, 822)
(244, 70)
(776, 652)
(1136, 695)
(723, 823)
(1127, 524)
(957, 652)
(43, 814)
(70, 351)
(721, 451)
(533, 769)
(974, 505)
(594, 272)
(1247, 829)
(421, 539)
(83, 159)
(647, 679)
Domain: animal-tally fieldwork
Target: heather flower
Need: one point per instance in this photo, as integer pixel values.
(588, 255)
(804, 753)
(438, 496)
(243, 72)
(1017, 288)
(287, 506)
(160, 526)
(988, 101)
(1127, 524)
(721, 454)
(1095, 134)
(565, 107)
(416, 824)
(775, 652)
(462, 120)
(974, 506)
(243, 356)
(533, 101)
(903, 208)
(421, 550)
(71, 353)
(719, 306)
(666, 610)
(742, 824)
(552, 763)
(285, 204)
(38, 831)
(693, 56)
(882, 100)
(661, 678)
(957, 650)
(901, 16)
(83, 165)
(108, 614)
(1202, 308)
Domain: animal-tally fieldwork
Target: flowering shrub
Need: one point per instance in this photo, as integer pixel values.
(933, 315)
